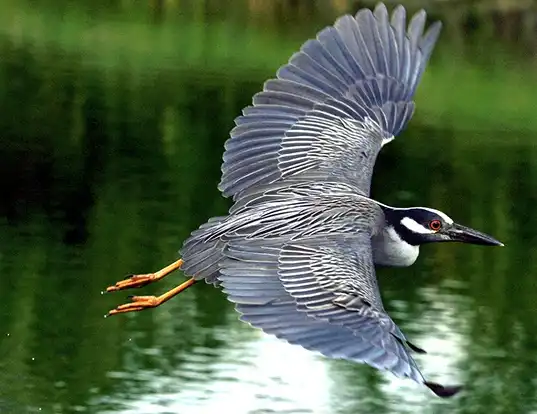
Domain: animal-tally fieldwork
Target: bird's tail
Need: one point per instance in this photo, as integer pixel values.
(201, 254)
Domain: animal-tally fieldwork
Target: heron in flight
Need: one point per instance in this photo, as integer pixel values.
(297, 251)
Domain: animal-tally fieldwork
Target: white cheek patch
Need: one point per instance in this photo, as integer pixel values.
(415, 227)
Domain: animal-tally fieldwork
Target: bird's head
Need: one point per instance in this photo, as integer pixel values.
(420, 225)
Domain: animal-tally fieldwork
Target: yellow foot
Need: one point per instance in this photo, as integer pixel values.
(136, 281)
(139, 303)
(133, 281)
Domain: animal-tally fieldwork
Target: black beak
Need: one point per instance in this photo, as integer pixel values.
(463, 234)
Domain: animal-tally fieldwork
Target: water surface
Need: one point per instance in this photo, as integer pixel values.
(112, 128)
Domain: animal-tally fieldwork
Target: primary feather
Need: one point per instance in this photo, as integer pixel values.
(333, 105)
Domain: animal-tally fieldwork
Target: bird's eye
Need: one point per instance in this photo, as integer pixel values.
(435, 225)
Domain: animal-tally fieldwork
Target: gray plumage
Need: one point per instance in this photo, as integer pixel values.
(295, 254)
(334, 105)
(303, 252)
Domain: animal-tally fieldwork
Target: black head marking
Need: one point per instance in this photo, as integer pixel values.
(417, 225)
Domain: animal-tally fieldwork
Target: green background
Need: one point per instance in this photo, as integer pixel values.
(113, 116)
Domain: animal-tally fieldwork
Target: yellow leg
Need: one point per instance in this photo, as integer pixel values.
(145, 302)
(142, 280)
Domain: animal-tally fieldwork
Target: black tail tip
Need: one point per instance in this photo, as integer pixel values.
(443, 391)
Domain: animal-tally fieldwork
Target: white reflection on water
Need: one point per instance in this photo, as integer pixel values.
(273, 377)
(257, 373)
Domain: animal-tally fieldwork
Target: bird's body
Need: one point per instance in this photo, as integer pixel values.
(296, 210)
(278, 214)
(298, 249)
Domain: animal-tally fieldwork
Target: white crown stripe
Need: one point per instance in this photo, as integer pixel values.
(444, 216)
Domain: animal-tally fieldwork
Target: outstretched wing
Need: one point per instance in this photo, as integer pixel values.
(334, 105)
(322, 295)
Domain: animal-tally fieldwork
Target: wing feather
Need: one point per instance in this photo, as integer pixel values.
(364, 69)
(248, 266)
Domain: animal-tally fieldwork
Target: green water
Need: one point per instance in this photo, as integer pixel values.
(112, 121)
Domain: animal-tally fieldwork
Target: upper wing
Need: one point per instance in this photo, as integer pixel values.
(334, 105)
(321, 295)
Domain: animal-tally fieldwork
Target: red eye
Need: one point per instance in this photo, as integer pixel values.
(435, 225)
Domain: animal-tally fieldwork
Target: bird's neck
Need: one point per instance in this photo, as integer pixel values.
(393, 218)
(390, 250)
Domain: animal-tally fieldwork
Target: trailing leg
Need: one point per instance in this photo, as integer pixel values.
(139, 303)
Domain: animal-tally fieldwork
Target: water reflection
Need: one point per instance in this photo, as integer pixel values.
(249, 374)
(106, 165)
(252, 372)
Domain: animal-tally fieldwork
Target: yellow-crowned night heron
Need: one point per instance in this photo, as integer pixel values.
(296, 253)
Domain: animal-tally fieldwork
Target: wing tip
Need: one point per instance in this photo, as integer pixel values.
(443, 391)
